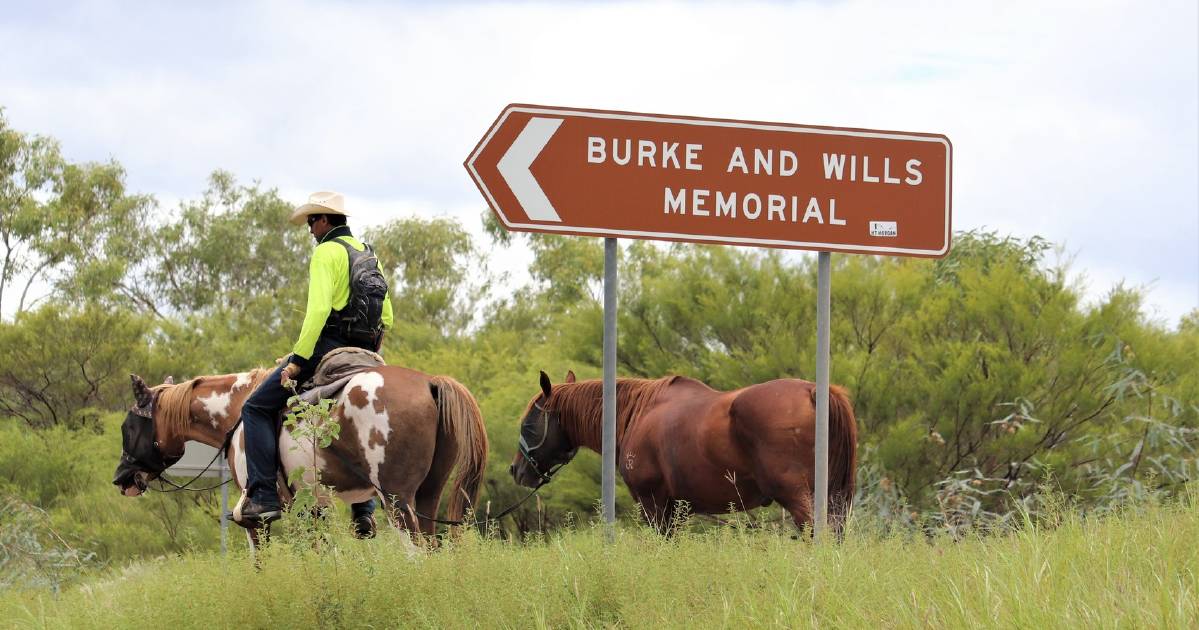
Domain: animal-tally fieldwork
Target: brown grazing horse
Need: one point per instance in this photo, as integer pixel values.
(402, 432)
(679, 440)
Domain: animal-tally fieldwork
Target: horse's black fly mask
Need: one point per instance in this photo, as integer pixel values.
(139, 445)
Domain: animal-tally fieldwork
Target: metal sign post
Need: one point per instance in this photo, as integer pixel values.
(609, 444)
(224, 509)
(823, 306)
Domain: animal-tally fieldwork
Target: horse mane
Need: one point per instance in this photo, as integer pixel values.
(581, 407)
(173, 404)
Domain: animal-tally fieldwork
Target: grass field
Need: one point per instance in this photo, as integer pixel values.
(1134, 569)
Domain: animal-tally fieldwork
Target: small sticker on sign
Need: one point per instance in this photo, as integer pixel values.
(884, 228)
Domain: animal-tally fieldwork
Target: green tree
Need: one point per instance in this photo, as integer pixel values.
(61, 364)
(69, 225)
(437, 275)
(229, 246)
(228, 278)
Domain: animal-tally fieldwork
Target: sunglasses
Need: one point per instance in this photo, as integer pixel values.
(313, 218)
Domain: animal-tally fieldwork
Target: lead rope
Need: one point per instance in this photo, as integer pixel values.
(221, 451)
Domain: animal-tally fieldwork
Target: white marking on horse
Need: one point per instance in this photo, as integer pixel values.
(295, 454)
(239, 456)
(216, 404)
(366, 420)
(243, 380)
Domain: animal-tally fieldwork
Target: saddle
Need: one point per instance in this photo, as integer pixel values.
(334, 370)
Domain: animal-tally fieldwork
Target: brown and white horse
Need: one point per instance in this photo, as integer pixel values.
(679, 440)
(402, 433)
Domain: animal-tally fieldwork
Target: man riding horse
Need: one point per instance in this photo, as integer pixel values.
(331, 321)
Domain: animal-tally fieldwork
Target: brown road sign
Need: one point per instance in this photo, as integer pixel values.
(704, 180)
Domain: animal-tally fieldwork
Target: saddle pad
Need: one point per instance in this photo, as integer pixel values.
(335, 369)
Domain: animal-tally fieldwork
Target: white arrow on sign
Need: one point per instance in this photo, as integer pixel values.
(514, 168)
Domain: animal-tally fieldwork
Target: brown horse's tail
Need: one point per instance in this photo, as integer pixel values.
(462, 421)
(842, 455)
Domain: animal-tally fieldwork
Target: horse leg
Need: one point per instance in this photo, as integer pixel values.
(792, 489)
(800, 507)
(428, 505)
(257, 538)
(773, 424)
(661, 516)
(400, 514)
(780, 475)
(674, 516)
(428, 495)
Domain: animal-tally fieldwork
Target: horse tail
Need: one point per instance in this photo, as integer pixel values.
(843, 455)
(462, 421)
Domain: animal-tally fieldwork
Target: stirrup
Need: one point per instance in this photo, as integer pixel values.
(264, 516)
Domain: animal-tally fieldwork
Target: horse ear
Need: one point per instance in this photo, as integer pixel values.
(170, 380)
(141, 393)
(545, 384)
(570, 376)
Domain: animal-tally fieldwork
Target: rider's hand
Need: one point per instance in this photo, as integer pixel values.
(288, 373)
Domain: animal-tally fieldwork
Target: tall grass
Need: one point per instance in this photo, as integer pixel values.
(1131, 568)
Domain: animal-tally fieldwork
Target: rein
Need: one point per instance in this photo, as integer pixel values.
(221, 451)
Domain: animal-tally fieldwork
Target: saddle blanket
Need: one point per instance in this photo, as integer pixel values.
(337, 367)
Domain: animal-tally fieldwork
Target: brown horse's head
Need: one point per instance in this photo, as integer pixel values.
(142, 455)
(544, 445)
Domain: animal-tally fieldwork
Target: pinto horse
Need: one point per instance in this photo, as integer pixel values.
(678, 440)
(402, 434)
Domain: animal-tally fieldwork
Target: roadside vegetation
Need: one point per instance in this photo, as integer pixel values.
(1129, 568)
(1014, 439)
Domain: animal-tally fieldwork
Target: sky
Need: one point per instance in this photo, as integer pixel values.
(1075, 121)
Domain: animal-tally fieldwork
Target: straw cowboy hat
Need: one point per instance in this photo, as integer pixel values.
(323, 202)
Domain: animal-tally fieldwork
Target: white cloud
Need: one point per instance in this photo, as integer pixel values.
(1076, 121)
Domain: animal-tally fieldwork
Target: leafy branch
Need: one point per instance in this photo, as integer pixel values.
(312, 424)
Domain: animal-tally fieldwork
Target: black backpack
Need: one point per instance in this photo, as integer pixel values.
(360, 321)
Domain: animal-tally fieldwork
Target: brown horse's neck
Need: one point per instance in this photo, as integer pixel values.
(580, 407)
(205, 408)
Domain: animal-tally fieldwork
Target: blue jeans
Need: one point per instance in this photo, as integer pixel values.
(259, 414)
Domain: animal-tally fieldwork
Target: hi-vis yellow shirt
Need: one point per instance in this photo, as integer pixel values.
(329, 288)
